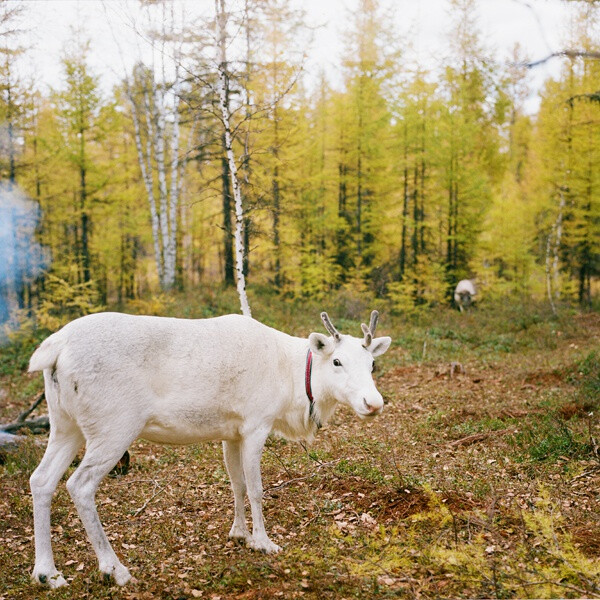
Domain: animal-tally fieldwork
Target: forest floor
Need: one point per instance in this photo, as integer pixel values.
(480, 479)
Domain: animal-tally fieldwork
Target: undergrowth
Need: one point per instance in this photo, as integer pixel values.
(475, 554)
(480, 485)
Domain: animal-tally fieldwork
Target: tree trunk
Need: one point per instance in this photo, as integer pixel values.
(247, 165)
(276, 206)
(237, 196)
(276, 238)
(415, 233)
(227, 233)
(404, 205)
(85, 251)
(159, 145)
(171, 247)
(145, 162)
(552, 252)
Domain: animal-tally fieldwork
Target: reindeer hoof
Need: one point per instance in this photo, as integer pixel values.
(51, 581)
(118, 573)
(264, 546)
(239, 536)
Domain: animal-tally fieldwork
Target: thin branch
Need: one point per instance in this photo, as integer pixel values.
(35, 404)
(561, 53)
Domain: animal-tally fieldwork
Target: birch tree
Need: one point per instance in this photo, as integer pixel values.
(233, 172)
(154, 94)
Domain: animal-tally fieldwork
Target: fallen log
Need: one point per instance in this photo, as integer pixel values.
(10, 442)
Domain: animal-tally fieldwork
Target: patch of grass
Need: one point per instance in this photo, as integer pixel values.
(469, 555)
(360, 469)
(587, 377)
(317, 455)
(548, 438)
(24, 460)
(471, 426)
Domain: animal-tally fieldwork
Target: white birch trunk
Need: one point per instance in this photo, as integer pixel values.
(146, 169)
(159, 145)
(237, 195)
(149, 110)
(174, 194)
(186, 221)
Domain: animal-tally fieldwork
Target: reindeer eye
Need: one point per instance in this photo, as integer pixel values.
(336, 362)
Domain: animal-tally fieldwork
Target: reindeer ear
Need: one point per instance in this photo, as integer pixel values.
(379, 346)
(321, 344)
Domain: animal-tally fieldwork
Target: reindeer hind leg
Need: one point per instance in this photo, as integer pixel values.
(64, 442)
(102, 454)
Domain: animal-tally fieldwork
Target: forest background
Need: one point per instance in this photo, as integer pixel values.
(212, 160)
(214, 156)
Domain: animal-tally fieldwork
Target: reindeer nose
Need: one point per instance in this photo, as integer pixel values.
(372, 408)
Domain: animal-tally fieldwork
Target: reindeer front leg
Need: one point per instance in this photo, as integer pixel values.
(233, 462)
(252, 447)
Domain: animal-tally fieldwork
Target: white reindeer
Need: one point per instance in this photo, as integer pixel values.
(464, 294)
(111, 378)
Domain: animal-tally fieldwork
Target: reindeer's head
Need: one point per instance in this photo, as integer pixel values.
(465, 298)
(343, 366)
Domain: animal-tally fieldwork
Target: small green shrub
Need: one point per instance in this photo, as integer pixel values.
(547, 439)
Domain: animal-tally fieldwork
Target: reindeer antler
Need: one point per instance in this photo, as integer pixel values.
(373, 323)
(329, 326)
(368, 337)
(370, 330)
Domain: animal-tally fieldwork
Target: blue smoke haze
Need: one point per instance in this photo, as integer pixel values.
(22, 258)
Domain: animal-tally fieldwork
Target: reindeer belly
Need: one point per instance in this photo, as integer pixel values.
(189, 426)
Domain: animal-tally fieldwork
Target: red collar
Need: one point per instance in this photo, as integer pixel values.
(307, 374)
(308, 388)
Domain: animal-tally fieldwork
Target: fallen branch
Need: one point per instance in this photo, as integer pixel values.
(477, 437)
(37, 425)
(157, 491)
(27, 412)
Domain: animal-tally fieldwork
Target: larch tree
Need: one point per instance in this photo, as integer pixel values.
(566, 182)
(277, 68)
(78, 106)
(469, 150)
(369, 63)
(506, 252)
